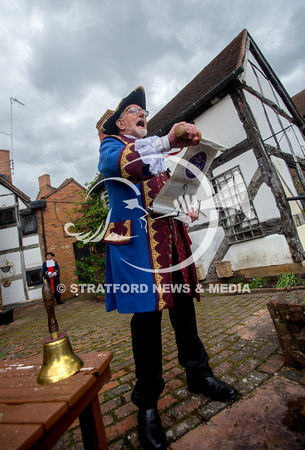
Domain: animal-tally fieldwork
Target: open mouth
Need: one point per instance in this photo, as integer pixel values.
(141, 123)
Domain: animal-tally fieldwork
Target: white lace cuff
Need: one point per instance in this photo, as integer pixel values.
(152, 150)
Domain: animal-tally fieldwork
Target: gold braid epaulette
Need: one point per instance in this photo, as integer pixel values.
(124, 161)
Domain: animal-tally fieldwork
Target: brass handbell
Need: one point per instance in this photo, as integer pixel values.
(59, 361)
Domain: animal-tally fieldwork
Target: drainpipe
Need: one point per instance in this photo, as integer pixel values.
(40, 204)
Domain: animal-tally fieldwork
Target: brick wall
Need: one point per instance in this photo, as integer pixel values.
(5, 164)
(55, 216)
(100, 123)
(44, 185)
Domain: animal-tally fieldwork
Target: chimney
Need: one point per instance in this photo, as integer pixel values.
(44, 185)
(100, 123)
(5, 166)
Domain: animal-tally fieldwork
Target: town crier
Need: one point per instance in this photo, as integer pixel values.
(51, 272)
(149, 261)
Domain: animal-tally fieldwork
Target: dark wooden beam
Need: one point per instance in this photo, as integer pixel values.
(231, 153)
(269, 174)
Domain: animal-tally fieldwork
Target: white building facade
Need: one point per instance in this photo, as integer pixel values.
(238, 101)
(20, 250)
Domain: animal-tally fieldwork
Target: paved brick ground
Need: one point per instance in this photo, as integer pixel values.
(236, 329)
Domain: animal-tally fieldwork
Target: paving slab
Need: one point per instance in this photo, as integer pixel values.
(239, 335)
(272, 417)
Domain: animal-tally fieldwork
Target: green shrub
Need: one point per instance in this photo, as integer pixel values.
(257, 282)
(89, 216)
(287, 279)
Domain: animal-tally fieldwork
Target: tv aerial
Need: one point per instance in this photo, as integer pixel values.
(12, 100)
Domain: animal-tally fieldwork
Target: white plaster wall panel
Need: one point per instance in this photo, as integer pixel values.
(34, 294)
(299, 136)
(221, 124)
(281, 104)
(269, 91)
(247, 163)
(284, 175)
(4, 190)
(32, 258)
(210, 247)
(265, 87)
(264, 204)
(298, 141)
(278, 100)
(267, 251)
(277, 128)
(250, 77)
(287, 183)
(14, 293)
(30, 240)
(7, 199)
(301, 232)
(295, 136)
(9, 238)
(21, 204)
(287, 141)
(260, 117)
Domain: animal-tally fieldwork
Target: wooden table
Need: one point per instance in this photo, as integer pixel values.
(34, 416)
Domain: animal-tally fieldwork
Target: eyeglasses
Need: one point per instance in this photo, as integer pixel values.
(135, 110)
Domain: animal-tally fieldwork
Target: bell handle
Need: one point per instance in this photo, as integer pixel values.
(48, 299)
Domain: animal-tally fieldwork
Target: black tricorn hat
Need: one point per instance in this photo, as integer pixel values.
(136, 97)
(49, 253)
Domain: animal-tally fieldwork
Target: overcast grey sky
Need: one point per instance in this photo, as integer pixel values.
(69, 61)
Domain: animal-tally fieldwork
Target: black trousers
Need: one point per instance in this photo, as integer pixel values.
(147, 348)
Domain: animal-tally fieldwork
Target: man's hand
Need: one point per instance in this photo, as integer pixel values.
(192, 136)
(187, 206)
(192, 213)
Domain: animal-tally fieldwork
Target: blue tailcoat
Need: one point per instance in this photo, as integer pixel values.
(138, 246)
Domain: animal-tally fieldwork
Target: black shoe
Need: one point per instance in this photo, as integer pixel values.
(59, 302)
(214, 388)
(151, 432)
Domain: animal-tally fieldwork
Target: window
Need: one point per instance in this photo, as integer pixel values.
(7, 216)
(237, 214)
(79, 254)
(28, 223)
(34, 277)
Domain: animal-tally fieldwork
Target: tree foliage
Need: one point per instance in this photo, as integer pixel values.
(89, 217)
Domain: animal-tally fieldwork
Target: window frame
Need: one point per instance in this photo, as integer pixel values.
(32, 272)
(34, 230)
(237, 227)
(6, 210)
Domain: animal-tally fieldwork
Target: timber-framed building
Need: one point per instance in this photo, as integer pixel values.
(238, 101)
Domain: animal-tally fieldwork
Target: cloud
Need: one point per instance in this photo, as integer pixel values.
(69, 61)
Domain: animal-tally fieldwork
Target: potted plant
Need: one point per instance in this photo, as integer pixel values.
(288, 315)
(7, 272)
